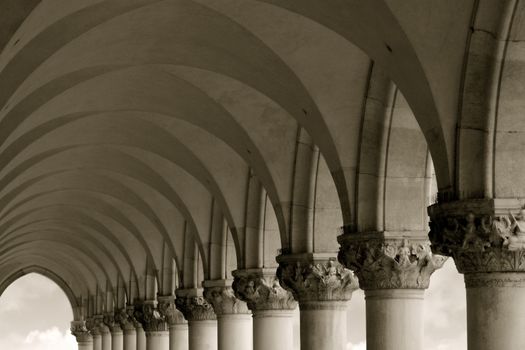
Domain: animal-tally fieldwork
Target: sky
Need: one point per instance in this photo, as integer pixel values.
(35, 315)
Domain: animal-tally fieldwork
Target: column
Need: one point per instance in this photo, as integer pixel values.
(105, 334)
(128, 324)
(234, 319)
(323, 287)
(178, 327)
(95, 333)
(141, 337)
(80, 331)
(271, 305)
(394, 273)
(486, 238)
(117, 341)
(202, 322)
(154, 324)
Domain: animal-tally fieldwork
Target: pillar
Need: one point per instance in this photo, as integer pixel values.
(486, 238)
(117, 340)
(178, 327)
(95, 333)
(202, 321)
(83, 336)
(234, 319)
(323, 287)
(124, 317)
(271, 305)
(141, 337)
(154, 324)
(105, 336)
(394, 273)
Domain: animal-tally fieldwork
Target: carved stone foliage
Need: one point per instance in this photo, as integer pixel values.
(478, 239)
(110, 321)
(80, 331)
(224, 301)
(150, 317)
(317, 281)
(92, 326)
(125, 319)
(262, 291)
(168, 309)
(195, 308)
(389, 263)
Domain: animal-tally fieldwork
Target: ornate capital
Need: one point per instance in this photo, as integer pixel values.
(389, 263)
(99, 325)
(80, 331)
(168, 309)
(313, 280)
(149, 316)
(224, 301)
(124, 317)
(194, 307)
(481, 235)
(110, 321)
(261, 290)
(92, 326)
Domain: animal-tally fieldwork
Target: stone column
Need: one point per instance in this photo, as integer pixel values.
(128, 324)
(154, 324)
(272, 307)
(117, 341)
(95, 333)
(234, 319)
(323, 288)
(202, 322)
(105, 334)
(486, 238)
(84, 338)
(393, 272)
(178, 327)
(141, 337)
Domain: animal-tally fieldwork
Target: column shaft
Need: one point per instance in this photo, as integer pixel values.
(495, 316)
(323, 325)
(394, 319)
(117, 340)
(179, 337)
(235, 331)
(272, 330)
(97, 342)
(141, 338)
(106, 340)
(202, 335)
(158, 340)
(130, 339)
(85, 345)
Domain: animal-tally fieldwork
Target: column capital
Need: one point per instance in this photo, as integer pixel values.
(389, 262)
(149, 316)
(193, 305)
(91, 326)
(110, 321)
(80, 331)
(261, 290)
(168, 309)
(221, 296)
(124, 317)
(316, 277)
(482, 235)
(98, 323)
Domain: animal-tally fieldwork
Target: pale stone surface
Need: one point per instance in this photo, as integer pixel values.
(179, 336)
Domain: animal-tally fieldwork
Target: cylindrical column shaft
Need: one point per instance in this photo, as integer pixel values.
(106, 340)
(179, 337)
(141, 338)
(117, 340)
(394, 319)
(130, 339)
(202, 335)
(158, 340)
(495, 316)
(323, 325)
(235, 332)
(85, 345)
(97, 341)
(273, 330)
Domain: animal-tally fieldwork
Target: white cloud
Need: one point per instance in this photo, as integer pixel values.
(49, 339)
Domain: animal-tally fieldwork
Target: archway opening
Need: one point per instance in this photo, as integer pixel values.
(35, 314)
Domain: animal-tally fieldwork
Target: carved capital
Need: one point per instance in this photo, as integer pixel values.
(261, 290)
(80, 331)
(92, 326)
(149, 316)
(310, 280)
(481, 235)
(195, 307)
(110, 321)
(168, 309)
(224, 301)
(99, 325)
(388, 263)
(124, 317)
